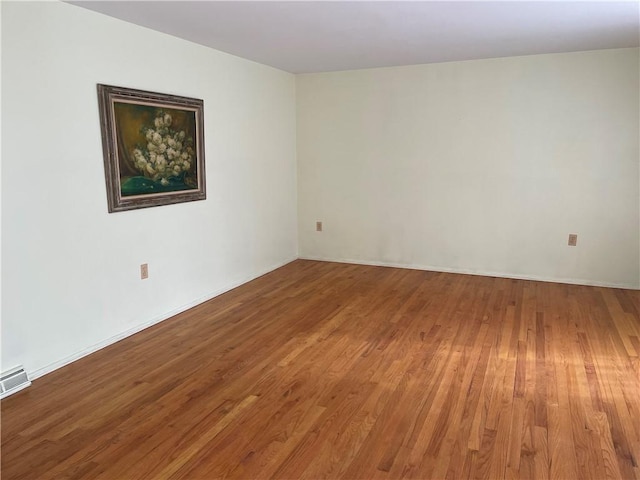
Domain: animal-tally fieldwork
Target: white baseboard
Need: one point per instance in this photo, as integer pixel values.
(571, 281)
(138, 328)
(94, 348)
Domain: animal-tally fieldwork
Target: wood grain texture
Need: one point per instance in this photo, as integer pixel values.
(324, 370)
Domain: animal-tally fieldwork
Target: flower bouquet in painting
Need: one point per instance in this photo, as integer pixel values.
(164, 160)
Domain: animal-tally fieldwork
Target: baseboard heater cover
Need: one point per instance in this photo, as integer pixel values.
(13, 381)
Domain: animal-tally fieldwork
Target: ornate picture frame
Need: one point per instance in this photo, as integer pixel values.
(153, 146)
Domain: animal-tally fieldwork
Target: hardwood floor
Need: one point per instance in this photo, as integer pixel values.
(324, 370)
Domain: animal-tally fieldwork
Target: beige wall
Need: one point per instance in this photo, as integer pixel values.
(70, 270)
(480, 166)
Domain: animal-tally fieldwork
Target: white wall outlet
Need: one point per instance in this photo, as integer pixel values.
(573, 240)
(144, 271)
(318, 226)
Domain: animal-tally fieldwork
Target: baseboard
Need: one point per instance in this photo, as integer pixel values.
(571, 281)
(138, 328)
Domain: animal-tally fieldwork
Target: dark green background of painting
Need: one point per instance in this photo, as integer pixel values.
(129, 119)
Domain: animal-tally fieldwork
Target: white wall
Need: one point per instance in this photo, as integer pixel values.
(480, 166)
(70, 270)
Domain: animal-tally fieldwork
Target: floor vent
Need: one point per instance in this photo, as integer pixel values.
(13, 381)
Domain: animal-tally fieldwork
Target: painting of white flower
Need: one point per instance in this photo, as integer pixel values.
(153, 146)
(156, 149)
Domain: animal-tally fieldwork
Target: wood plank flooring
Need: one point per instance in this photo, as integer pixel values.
(324, 370)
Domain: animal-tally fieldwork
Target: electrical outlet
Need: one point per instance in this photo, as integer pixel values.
(144, 271)
(573, 239)
(318, 226)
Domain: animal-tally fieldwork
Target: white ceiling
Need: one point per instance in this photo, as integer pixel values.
(319, 36)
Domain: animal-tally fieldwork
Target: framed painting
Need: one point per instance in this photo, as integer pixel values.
(153, 147)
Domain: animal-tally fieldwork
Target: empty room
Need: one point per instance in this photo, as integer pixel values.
(320, 239)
